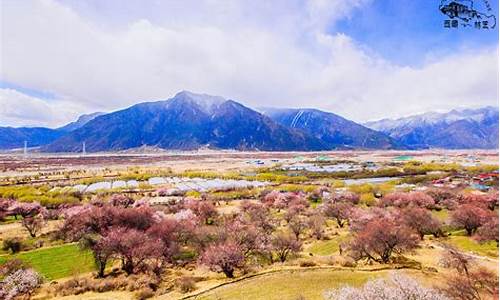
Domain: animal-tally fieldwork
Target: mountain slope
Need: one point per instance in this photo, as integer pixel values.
(333, 130)
(11, 138)
(82, 120)
(186, 121)
(457, 129)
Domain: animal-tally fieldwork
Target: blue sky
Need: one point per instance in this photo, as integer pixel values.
(409, 32)
(355, 58)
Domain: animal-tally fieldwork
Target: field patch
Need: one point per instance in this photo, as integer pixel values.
(467, 244)
(310, 284)
(57, 262)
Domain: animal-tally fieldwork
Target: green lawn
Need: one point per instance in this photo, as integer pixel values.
(466, 243)
(57, 262)
(311, 284)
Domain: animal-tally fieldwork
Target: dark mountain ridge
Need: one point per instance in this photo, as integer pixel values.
(186, 121)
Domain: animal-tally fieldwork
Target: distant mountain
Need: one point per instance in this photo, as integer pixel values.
(12, 138)
(333, 130)
(82, 120)
(186, 121)
(192, 121)
(457, 129)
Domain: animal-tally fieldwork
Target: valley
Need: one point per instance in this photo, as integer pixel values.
(244, 225)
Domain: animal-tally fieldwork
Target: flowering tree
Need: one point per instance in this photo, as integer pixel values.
(284, 244)
(469, 217)
(316, 223)
(489, 230)
(380, 239)
(5, 205)
(259, 216)
(204, 210)
(340, 211)
(25, 209)
(469, 282)
(420, 220)
(489, 201)
(133, 247)
(297, 225)
(472, 286)
(400, 199)
(348, 197)
(121, 200)
(21, 282)
(223, 257)
(396, 287)
(100, 249)
(33, 224)
(246, 236)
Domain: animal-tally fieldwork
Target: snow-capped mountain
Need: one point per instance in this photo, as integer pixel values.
(456, 129)
(334, 130)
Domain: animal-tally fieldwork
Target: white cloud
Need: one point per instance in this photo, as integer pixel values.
(259, 53)
(18, 109)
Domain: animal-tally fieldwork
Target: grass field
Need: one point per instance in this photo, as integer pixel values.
(57, 262)
(466, 243)
(324, 248)
(291, 284)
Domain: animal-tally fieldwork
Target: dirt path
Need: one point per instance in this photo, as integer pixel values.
(471, 254)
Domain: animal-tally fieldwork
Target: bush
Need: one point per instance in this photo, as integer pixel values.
(344, 261)
(13, 245)
(186, 284)
(22, 282)
(307, 263)
(11, 266)
(76, 286)
(144, 293)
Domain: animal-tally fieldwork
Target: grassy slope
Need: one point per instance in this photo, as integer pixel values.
(467, 244)
(57, 262)
(289, 285)
(327, 247)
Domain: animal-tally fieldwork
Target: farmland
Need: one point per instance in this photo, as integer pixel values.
(247, 225)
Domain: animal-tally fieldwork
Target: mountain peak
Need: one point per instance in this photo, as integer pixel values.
(463, 128)
(82, 120)
(205, 102)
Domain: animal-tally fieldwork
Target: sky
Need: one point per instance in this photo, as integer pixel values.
(362, 59)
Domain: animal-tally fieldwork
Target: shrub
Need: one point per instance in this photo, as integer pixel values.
(11, 266)
(307, 263)
(186, 284)
(14, 245)
(144, 293)
(22, 282)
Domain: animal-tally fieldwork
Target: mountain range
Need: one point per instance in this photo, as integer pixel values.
(456, 129)
(191, 121)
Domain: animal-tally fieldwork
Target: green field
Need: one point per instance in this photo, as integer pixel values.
(289, 285)
(324, 248)
(466, 243)
(57, 262)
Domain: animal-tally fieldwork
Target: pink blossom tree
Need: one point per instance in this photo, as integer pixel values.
(223, 257)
